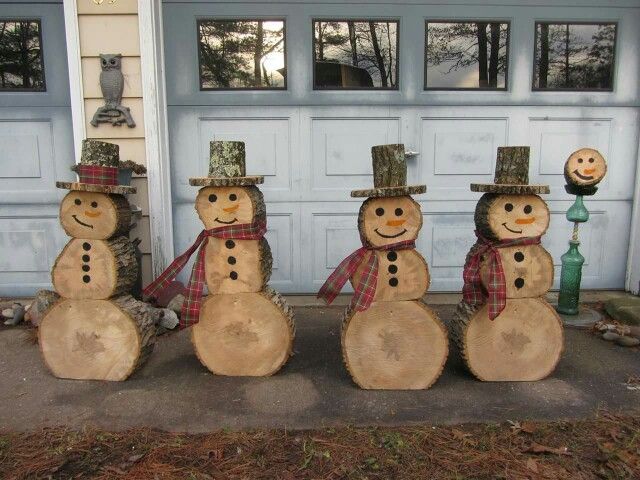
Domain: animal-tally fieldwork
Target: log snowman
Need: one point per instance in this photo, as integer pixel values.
(504, 327)
(97, 330)
(243, 327)
(390, 339)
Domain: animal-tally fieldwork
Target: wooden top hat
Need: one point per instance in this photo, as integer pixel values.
(226, 167)
(389, 174)
(512, 174)
(98, 169)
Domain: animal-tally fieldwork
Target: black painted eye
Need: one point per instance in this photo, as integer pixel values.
(104, 62)
(77, 201)
(113, 62)
(233, 197)
(508, 207)
(379, 211)
(94, 204)
(212, 198)
(580, 160)
(527, 209)
(591, 160)
(399, 212)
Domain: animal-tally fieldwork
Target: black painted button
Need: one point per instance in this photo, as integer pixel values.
(393, 282)
(519, 283)
(230, 244)
(393, 269)
(86, 268)
(233, 275)
(86, 258)
(86, 279)
(231, 260)
(519, 256)
(392, 256)
(86, 246)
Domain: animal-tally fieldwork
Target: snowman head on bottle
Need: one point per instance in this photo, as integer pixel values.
(95, 207)
(389, 215)
(511, 208)
(228, 196)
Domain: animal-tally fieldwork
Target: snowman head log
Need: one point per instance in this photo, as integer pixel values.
(585, 167)
(387, 220)
(94, 215)
(225, 206)
(502, 217)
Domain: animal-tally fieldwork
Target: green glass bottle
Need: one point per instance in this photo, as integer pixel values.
(570, 278)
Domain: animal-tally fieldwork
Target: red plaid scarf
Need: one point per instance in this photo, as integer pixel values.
(191, 307)
(98, 175)
(472, 292)
(366, 288)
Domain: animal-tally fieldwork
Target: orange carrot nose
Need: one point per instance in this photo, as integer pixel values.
(525, 221)
(231, 209)
(92, 214)
(395, 223)
(589, 171)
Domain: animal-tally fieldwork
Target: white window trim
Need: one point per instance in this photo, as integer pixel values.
(156, 134)
(632, 281)
(74, 63)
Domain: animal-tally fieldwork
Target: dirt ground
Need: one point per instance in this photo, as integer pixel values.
(604, 446)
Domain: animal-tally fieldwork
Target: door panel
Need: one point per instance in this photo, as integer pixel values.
(37, 149)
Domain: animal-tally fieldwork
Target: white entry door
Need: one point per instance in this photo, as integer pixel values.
(313, 144)
(36, 142)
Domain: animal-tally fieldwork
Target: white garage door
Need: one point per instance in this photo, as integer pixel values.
(36, 145)
(313, 144)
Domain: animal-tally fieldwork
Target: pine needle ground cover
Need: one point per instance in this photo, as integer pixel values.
(604, 446)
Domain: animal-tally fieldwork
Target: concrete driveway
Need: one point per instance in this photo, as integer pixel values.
(173, 391)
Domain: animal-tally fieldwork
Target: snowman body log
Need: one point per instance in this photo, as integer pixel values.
(397, 343)
(244, 327)
(95, 269)
(524, 341)
(96, 330)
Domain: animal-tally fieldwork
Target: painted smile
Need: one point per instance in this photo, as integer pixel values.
(512, 231)
(226, 223)
(404, 230)
(81, 223)
(583, 177)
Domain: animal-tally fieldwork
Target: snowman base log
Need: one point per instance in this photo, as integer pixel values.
(394, 346)
(97, 339)
(95, 269)
(524, 343)
(244, 334)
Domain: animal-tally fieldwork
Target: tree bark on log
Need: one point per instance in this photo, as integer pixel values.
(97, 339)
(95, 269)
(389, 166)
(244, 334)
(524, 343)
(394, 346)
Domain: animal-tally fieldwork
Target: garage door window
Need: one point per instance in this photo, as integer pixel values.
(355, 54)
(242, 54)
(21, 67)
(466, 55)
(574, 56)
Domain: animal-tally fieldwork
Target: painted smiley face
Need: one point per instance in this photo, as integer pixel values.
(585, 167)
(223, 206)
(390, 220)
(88, 215)
(518, 216)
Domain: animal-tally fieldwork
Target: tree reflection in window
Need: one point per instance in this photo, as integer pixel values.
(355, 54)
(574, 56)
(21, 65)
(247, 54)
(466, 55)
